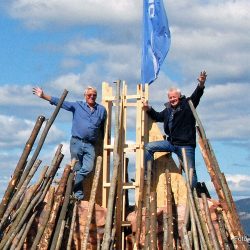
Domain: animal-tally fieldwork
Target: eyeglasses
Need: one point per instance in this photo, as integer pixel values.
(89, 95)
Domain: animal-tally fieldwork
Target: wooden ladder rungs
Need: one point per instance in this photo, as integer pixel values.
(126, 185)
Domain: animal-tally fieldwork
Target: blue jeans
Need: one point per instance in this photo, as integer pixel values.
(166, 146)
(84, 153)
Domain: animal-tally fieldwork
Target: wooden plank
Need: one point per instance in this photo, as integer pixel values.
(106, 91)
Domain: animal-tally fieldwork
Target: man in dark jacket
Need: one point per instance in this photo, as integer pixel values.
(179, 125)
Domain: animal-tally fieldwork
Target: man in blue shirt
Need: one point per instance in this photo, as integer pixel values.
(88, 121)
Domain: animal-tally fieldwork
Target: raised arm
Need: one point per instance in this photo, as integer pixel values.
(197, 94)
(39, 92)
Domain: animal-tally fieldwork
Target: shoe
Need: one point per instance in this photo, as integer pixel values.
(77, 197)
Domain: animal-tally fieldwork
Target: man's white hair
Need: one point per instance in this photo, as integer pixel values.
(89, 88)
(174, 89)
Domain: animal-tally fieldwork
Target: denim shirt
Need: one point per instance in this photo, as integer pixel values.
(86, 123)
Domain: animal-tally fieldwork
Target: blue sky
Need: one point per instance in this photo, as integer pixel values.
(72, 44)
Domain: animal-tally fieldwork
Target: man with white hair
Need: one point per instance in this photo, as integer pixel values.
(179, 125)
(88, 120)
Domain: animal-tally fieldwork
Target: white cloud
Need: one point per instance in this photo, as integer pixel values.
(69, 63)
(239, 184)
(14, 132)
(40, 12)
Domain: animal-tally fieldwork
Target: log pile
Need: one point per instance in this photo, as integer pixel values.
(44, 215)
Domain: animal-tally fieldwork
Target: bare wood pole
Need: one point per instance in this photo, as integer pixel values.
(113, 184)
(120, 176)
(20, 165)
(201, 220)
(221, 223)
(210, 223)
(44, 218)
(230, 231)
(27, 228)
(46, 238)
(63, 211)
(191, 202)
(147, 209)
(219, 182)
(16, 240)
(43, 137)
(92, 201)
(153, 219)
(169, 211)
(16, 198)
(25, 209)
(165, 229)
(60, 236)
(65, 205)
(139, 210)
(72, 226)
(7, 239)
(35, 198)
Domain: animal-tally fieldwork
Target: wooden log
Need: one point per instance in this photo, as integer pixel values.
(191, 207)
(60, 236)
(46, 238)
(202, 220)
(218, 180)
(16, 198)
(170, 232)
(63, 211)
(185, 239)
(147, 208)
(14, 229)
(210, 223)
(92, 201)
(20, 165)
(139, 209)
(27, 228)
(113, 184)
(16, 240)
(72, 226)
(26, 206)
(42, 138)
(153, 221)
(44, 218)
(35, 198)
(165, 229)
(225, 241)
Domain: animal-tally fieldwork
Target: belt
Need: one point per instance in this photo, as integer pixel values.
(82, 139)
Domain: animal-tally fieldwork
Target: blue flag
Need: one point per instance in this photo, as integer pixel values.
(156, 39)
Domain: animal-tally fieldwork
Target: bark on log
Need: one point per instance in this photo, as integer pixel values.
(72, 226)
(63, 210)
(92, 201)
(169, 211)
(210, 223)
(42, 138)
(20, 165)
(44, 218)
(45, 240)
(16, 198)
(153, 221)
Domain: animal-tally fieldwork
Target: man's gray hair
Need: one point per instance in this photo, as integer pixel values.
(89, 88)
(174, 89)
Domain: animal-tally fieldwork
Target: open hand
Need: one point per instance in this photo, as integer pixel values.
(202, 78)
(38, 91)
(145, 104)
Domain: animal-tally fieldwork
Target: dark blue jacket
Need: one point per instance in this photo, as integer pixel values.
(183, 131)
